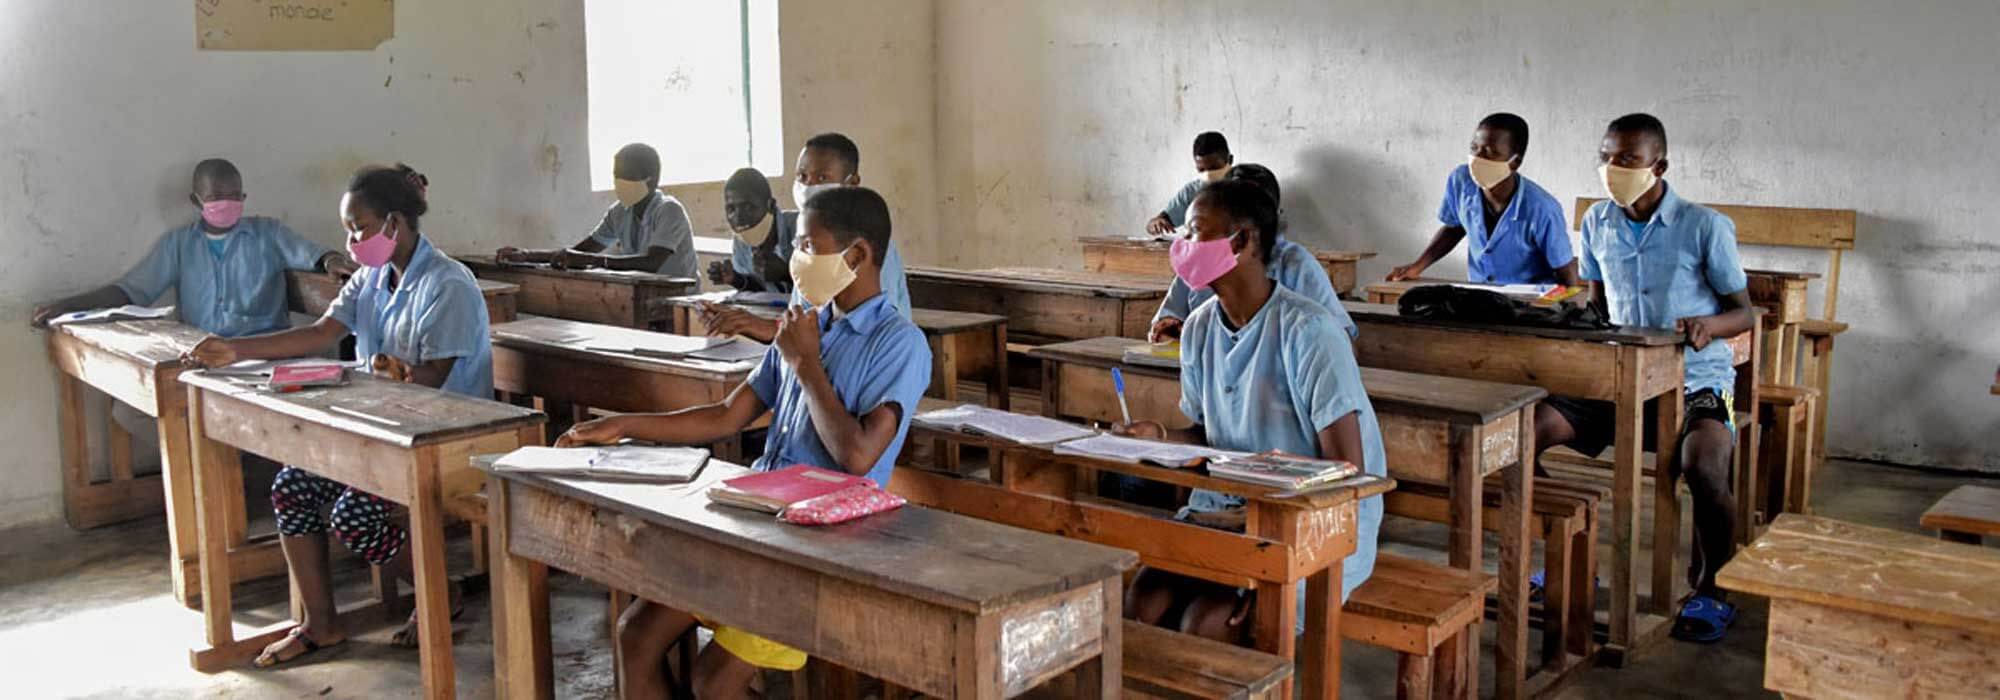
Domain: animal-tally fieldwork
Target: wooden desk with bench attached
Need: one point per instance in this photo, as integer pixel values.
(1148, 256)
(618, 298)
(1042, 305)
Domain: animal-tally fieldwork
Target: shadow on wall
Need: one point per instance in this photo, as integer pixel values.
(1328, 203)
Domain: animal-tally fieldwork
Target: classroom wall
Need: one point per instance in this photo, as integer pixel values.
(1059, 119)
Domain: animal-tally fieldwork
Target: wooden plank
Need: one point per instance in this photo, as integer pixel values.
(1823, 652)
(1871, 570)
(1046, 280)
(1169, 664)
(1775, 226)
(310, 293)
(1968, 509)
(621, 298)
(404, 415)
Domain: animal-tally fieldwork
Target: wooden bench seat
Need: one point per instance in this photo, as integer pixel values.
(1965, 515)
(1421, 611)
(1169, 665)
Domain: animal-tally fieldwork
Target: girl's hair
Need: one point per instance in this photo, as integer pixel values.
(387, 189)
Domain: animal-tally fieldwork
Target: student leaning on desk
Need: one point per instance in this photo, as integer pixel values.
(421, 318)
(1515, 227)
(645, 230)
(1262, 368)
(840, 381)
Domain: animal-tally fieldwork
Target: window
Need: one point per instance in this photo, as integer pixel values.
(696, 79)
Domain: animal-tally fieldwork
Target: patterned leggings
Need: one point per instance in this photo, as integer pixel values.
(359, 519)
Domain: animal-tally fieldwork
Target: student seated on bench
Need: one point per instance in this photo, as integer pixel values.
(421, 318)
(1516, 227)
(1262, 368)
(840, 381)
(827, 162)
(1213, 160)
(1661, 261)
(644, 230)
(763, 266)
(1291, 266)
(227, 270)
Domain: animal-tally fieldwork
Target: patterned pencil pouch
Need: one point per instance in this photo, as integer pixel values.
(841, 506)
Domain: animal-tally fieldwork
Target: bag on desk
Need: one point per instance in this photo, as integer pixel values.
(1444, 302)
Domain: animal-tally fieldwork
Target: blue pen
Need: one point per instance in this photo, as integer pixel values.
(1118, 382)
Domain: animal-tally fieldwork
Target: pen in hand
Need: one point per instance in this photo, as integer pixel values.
(1118, 383)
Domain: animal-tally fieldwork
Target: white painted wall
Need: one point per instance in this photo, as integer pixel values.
(1057, 119)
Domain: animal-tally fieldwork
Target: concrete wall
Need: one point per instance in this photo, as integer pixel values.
(1057, 119)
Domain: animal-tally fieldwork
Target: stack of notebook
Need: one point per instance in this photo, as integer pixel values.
(634, 463)
(1288, 472)
(1014, 427)
(1136, 451)
(1164, 355)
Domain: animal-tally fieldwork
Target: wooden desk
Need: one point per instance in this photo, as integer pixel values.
(1044, 305)
(1626, 366)
(1392, 292)
(1965, 515)
(1143, 256)
(962, 344)
(1784, 295)
(712, 249)
(617, 298)
(310, 293)
(420, 462)
(1437, 430)
(552, 359)
(941, 604)
(1288, 539)
(1862, 612)
(137, 363)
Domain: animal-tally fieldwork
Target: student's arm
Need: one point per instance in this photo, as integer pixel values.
(1152, 430)
(107, 296)
(1442, 243)
(1173, 311)
(1553, 242)
(1175, 213)
(1723, 272)
(1342, 440)
(1567, 275)
(856, 442)
(214, 351)
(699, 425)
(145, 283)
(723, 320)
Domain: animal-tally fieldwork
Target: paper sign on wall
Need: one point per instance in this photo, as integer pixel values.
(293, 25)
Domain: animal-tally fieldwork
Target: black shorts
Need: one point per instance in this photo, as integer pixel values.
(1595, 422)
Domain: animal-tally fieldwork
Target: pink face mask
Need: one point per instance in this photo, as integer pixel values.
(1201, 263)
(374, 251)
(222, 213)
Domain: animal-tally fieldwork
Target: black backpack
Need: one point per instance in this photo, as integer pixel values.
(1444, 302)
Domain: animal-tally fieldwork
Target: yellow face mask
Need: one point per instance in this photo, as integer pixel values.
(1488, 173)
(1626, 185)
(1217, 174)
(819, 277)
(630, 192)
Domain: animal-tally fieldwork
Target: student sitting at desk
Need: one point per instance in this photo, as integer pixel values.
(421, 318)
(1262, 368)
(764, 266)
(1213, 160)
(227, 270)
(1291, 266)
(841, 382)
(1516, 227)
(827, 162)
(645, 230)
(1660, 261)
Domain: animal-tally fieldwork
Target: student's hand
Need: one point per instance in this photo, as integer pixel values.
(1407, 272)
(510, 254)
(1159, 226)
(1699, 330)
(723, 321)
(1165, 329)
(798, 336)
(339, 265)
(211, 352)
(603, 431)
(1142, 429)
(567, 259)
(389, 367)
(1232, 519)
(44, 313)
(722, 273)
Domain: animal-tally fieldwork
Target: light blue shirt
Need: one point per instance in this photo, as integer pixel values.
(435, 312)
(1291, 266)
(1273, 385)
(1176, 209)
(895, 286)
(238, 292)
(1678, 265)
(743, 255)
(1529, 240)
(664, 224)
(874, 356)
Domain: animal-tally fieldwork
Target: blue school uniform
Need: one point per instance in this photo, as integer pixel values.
(1291, 266)
(1176, 209)
(1677, 265)
(233, 287)
(1528, 242)
(743, 255)
(873, 356)
(435, 311)
(1272, 385)
(664, 224)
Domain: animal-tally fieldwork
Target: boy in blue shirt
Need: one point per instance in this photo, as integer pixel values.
(763, 266)
(1660, 261)
(841, 381)
(1515, 226)
(227, 270)
(645, 230)
(828, 161)
(1213, 160)
(1263, 368)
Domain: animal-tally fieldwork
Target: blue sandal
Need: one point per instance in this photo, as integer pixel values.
(1703, 620)
(1539, 579)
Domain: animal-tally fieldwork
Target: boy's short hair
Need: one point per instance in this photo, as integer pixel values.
(749, 181)
(1640, 123)
(842, 147)
(215, 170)
(1210, 143)
(1514, 125)
(1245, 201)
(640, 157)
(853, 212)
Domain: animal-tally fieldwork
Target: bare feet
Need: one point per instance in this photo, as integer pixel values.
(299, 642)
(407, 636)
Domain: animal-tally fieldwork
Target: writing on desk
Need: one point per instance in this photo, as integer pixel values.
(305, 12)
(1321, 527)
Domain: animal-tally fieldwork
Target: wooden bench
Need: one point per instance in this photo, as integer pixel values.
(1421, 611)
(1965, 515)
(1164, 664)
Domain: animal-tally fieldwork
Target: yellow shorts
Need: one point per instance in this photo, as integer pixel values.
(755, 650)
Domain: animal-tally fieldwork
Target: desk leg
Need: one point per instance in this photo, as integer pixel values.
(1822, 379)
(1468, 545)
(177, 477)
(210, 483)
(998, 395)
(975, 666)
(1277, 607)
(1322, 644)
(1625, 453)
(1103, 677)
(523, 668)
(1510, 655)
(427, 567)
(1666, 502)
(944, 384)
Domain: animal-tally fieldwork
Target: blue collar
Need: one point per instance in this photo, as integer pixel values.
(1671, 205)
(863, 319)
(420, 259)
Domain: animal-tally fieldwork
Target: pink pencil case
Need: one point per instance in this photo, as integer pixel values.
(841, 506)
(290, 377)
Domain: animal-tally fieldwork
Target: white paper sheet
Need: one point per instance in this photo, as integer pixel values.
(127, 312)
(1027, 430)
(1135, 451)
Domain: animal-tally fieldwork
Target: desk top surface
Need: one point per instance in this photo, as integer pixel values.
(1387, 314)
(1871, 570)
(485, 264)
(590, 341)
(951, 560)
(398, 413)
(932, 321)
(1160, 246)
(151, 343)
(1034, 279)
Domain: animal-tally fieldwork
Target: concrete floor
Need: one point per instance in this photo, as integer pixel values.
(87, 614)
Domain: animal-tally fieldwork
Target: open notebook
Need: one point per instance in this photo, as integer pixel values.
(1163, 355)
(127, 312)
(1136, 451)
(660, 465)
(1024, 429)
